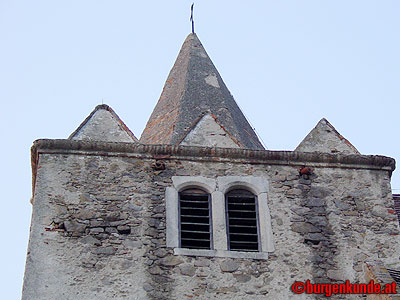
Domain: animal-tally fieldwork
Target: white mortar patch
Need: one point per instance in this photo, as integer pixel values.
(212, 80)
(201, 53)
(209, 133)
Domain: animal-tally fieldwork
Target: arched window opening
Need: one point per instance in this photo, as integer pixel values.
(195, 219)
(242, 221)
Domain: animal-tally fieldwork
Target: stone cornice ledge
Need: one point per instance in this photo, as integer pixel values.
(208, 153)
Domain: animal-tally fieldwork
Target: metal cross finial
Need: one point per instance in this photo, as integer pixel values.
(191, 17)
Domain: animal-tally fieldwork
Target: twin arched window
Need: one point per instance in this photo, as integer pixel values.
(241, 220)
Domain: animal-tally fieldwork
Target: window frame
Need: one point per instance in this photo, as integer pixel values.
(209, 217)
(235, 188)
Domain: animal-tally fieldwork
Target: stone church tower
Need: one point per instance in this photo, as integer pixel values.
(198, 209)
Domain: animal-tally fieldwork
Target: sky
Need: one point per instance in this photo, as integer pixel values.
(287, 63)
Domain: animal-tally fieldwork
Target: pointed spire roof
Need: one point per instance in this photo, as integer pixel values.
(325, 138)
(103, 124)
(194, 88)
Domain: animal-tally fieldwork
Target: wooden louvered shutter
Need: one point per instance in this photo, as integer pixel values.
(195, 219)
(242, 221)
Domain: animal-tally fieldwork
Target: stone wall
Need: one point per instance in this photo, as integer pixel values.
(376, 272)
(98, 229)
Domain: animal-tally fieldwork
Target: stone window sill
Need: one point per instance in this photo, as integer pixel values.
(220, 253)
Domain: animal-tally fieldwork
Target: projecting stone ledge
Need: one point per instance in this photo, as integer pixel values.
(294, 158)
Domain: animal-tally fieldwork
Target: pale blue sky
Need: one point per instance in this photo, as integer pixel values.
(287, 63)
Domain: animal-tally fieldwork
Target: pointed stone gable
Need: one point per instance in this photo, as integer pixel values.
(193, 88)
(325, 138)
(208, 133)
(103, 124)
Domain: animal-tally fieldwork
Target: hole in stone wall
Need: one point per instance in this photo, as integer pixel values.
(311, 242)
(158, 165)
(124, 230)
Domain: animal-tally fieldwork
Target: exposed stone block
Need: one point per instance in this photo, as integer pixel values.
(242, 278)
(90, 240)
(96, 230)
(229, 266)
(315, 202)
(105, 250)
(74, 226)
(171, 261)
(187, 270)
(303, 227)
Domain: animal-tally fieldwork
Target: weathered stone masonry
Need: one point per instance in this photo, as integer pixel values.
(105, 221)
(98, 227)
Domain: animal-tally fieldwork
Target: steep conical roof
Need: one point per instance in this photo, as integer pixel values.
(103, 124)
(325, 138)
(193, 89)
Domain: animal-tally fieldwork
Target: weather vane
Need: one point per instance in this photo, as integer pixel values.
(191, 17)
